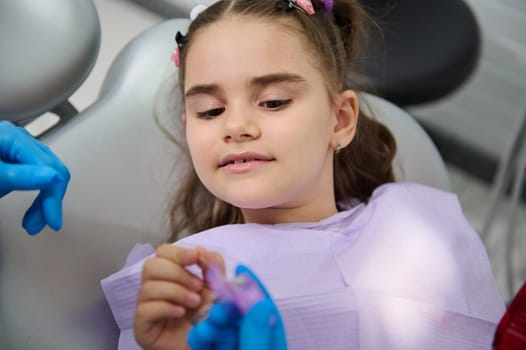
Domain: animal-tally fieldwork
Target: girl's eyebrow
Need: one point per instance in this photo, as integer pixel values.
(275, 78)
(210, 89)
(258, 82)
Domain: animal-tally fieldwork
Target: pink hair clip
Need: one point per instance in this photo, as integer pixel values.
(176, 56)
(305, 5)
(243, 291)
(180, 40)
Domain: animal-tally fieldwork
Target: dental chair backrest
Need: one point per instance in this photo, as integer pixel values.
(121, 168)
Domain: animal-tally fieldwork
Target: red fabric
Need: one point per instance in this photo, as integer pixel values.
(511, 331)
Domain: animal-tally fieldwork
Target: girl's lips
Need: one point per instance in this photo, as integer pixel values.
(246, 166)
(239, 159)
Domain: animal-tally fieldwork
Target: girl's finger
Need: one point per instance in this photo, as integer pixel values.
(163, 269)
(168, 291)
(154, 311)
(178, 255)
(207, 258)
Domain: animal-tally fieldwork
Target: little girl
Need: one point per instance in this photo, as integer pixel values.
(291, 179)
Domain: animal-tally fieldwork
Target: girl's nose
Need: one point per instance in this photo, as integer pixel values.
(240, 126)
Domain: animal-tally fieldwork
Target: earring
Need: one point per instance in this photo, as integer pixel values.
(338, 148)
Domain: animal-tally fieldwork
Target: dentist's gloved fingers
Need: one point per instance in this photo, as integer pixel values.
(18, 149)
(26, 177)
(51, 202)
(17, 146)
(218, 329)
(208, 336)
(57, 163)
(224, 314)
(52, 205)
(53, 196)
(262, 328)
(226, 339)
(202, 336)
(242, 269)
(34, 221)
(45, 210)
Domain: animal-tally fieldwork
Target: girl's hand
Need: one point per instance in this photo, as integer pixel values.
(225, 328)
(170, 296)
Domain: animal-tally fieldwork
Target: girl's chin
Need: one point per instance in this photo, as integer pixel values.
(250, 206)
(254, 204)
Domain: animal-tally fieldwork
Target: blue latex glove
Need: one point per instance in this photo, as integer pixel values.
(226, 329)
(27, 164)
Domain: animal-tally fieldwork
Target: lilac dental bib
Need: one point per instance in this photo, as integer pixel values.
(406, 271)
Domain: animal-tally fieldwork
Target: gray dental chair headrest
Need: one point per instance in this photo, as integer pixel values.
(172, 8)
(48, 48)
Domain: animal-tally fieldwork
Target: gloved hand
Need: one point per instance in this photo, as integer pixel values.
(27, 164)
(226, 329)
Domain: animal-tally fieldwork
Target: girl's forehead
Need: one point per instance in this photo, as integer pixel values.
(248, 33)
(246, 43)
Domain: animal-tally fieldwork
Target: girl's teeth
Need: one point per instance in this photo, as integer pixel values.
(243, 160)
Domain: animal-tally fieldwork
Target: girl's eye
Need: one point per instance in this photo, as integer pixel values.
(275, 104)
(211, 113)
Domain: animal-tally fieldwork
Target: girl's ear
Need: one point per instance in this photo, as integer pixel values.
(183, 117)
(346, 111)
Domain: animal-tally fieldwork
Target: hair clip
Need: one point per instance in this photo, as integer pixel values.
(302, 5)
(180, 40)
(328, 5)
(176, 56)
(196, 10)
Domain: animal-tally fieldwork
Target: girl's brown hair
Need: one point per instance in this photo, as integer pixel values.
(335, 40)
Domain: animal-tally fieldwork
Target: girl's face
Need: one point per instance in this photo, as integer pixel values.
(260, 125)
